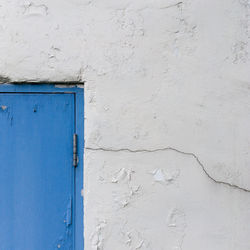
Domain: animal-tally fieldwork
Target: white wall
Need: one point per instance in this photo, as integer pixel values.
(167, 100)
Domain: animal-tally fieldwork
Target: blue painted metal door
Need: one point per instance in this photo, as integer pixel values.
(36, 173)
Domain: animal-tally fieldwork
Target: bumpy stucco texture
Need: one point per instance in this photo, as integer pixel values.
(167, 113)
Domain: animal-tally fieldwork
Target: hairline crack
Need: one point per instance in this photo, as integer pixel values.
(230, 185)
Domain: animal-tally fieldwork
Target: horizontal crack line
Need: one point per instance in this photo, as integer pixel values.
(172, 5)
(175, 150)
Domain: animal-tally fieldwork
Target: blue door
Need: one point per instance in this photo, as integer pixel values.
(37, 184)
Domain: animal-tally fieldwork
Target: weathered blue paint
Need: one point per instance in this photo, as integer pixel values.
(41, 203)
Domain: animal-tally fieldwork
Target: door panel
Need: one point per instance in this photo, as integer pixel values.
(36, 173)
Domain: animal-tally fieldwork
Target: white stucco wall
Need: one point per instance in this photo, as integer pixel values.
(167, 102)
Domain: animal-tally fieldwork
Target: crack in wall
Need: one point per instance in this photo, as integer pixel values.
(230, 185)
(172, 5)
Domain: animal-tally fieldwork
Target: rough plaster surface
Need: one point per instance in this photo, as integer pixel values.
(167, 100)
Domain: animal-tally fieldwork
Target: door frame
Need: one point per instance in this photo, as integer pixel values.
(78, 93)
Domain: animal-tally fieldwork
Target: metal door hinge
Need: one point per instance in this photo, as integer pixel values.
(75, 157)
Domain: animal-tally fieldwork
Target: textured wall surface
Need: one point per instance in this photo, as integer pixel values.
(167, 100)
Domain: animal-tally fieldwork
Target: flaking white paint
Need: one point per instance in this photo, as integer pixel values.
(167, 112)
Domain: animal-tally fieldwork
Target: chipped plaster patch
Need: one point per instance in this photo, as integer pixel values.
(176, 221)
(139, 246)
(122, 174)
(32, 9)
(97, 237)
(4, 79)
(160, 175)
